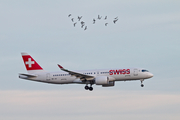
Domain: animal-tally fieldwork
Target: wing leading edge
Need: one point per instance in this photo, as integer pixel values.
(78, 75)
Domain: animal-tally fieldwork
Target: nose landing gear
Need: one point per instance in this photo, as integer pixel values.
(142, 85)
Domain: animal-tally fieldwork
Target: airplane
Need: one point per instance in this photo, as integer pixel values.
(103, 77)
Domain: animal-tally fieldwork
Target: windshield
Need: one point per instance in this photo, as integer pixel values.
(145, 71)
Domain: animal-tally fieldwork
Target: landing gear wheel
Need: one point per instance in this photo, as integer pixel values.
(90, 88)
(142, 82)
(86, 87)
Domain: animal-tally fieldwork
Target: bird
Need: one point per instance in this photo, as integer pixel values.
(69, 15)
(99, 17)
(94, 21)
(85, 28)
(116, 17)
(72, 19)
(82, 26)
(115, 21)
(105, 18)
(79, 18)
(106, 24)
(75, 24)
(82, 23)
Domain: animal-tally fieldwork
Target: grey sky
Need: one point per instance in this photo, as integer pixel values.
(146, 35)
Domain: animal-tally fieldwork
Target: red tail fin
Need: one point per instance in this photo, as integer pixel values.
(30, 63)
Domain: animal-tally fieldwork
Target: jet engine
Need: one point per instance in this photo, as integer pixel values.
(111, 83)
(104, 81)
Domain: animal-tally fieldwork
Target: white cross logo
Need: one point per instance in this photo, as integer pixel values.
(29, 62)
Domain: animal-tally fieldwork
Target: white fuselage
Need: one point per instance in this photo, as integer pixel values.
(104, 77)
(112, 74)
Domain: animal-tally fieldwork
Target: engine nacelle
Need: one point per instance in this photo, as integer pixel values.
(105, 81)
(111, 83)
(102, 80)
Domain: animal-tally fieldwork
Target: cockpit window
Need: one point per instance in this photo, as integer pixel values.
(145, 71)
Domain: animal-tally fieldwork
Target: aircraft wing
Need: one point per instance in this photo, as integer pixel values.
(79, 75)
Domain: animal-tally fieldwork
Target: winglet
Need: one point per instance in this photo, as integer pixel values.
(60, 66)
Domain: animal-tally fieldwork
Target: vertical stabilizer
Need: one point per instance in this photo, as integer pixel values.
(30, 64)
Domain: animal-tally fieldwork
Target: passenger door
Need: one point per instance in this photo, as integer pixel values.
(48, 76)
(135, 72)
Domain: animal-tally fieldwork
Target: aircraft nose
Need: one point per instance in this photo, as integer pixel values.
(150, 75)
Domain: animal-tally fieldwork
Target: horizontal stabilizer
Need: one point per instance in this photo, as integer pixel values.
(28, 75)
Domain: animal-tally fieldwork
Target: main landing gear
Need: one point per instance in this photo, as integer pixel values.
(142, 82)
(88, 88)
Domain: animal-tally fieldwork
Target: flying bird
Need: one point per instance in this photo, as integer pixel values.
(69, 15)
(85, 28)
(82, 26)
(99, 17)
(72, 19)
(115, 21)
(82, 23)
(116, 17)
(94, 21)
(75, 24)
(79, 18)
(105, 18)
